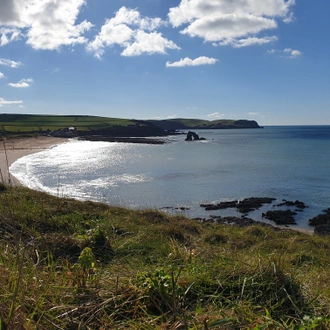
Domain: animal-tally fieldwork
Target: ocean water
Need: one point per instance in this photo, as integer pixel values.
(281, 162)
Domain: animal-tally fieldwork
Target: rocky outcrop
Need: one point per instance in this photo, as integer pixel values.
(244, 206)
(281, 217)
(321, 222)
(297, 204)
(192, 136)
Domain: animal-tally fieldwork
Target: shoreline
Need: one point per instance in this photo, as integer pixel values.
(14, 148)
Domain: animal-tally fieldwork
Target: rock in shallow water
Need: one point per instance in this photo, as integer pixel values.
(281, 217)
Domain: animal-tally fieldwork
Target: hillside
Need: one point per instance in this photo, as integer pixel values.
(66, 264)
(177, 124)
(17, 124)
(11, 124)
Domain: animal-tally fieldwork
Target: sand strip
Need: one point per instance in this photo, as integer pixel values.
(12, 149)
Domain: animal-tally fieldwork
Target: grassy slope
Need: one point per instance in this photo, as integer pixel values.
(65, 264)
(35, 123)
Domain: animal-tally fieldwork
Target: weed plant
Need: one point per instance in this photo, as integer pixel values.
(66, 264)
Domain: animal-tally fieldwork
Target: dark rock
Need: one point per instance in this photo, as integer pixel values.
(320, 219)
(244, 206)
(298, 204)
(250, 204)
(192, 136)
(281, 217)
(220, 206)
(182, 208)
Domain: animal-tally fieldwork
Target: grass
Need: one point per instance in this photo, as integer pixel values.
(66, 264)
(15, 123)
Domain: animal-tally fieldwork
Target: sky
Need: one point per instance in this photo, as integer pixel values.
(263, 60)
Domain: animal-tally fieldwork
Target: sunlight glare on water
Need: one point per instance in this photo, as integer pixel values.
(280, 162)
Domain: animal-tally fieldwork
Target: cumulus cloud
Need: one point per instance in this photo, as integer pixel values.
(46, 24)
(234, 22)
(202, 60)
(149, 43)
(10, 63)
(23, 83)
(1, 75)
(5, 102)
(292, 53)
(134, 33)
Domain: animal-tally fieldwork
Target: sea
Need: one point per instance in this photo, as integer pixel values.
(283, 162)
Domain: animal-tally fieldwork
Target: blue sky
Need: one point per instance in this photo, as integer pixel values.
(266, 60)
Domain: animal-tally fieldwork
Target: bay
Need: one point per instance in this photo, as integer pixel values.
(283, 162)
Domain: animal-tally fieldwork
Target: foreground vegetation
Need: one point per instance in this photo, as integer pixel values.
(66, 264)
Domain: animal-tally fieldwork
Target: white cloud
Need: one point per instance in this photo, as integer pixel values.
(253, 113)
(288, 53)
(132, 32)
(250, 41)
(292, 53)
(8, 35)
(46, 24)
(216, 115)
(149, 43)
(23, 83)
(5, 102)
(12, 64)
(229, 21)
(202, 60)
(2, 75)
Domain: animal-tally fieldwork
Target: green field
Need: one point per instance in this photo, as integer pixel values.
(32, 124)
(15, 124)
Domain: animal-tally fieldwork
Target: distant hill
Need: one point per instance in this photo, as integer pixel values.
(180, 123)
(20, 124)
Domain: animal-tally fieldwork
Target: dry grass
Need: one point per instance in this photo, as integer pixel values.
(65, 264)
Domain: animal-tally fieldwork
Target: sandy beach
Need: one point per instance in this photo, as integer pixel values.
(13, 149)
